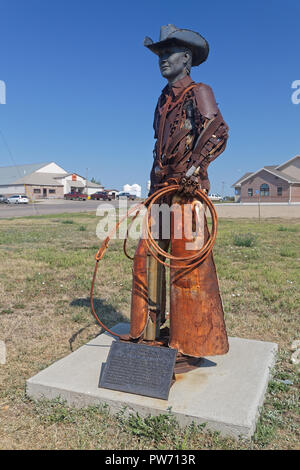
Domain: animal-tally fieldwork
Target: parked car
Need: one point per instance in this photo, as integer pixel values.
(76, 196)
(101, 196)
(3, 198)
(123, 195)
(228, 199)
(18, 199)
(215, 197)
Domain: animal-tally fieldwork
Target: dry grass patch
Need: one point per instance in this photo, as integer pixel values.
(46, 266)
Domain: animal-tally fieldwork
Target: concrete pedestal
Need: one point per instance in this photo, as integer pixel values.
(226, 392)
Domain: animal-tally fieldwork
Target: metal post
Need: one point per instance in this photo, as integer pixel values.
(154, 282)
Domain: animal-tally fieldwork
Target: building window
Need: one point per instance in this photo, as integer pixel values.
(279, 191)
(37, 191)
(237, 191)
(250, 192)
(264, 190)
(51, 191)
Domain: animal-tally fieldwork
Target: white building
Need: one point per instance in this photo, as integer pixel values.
(43, 180)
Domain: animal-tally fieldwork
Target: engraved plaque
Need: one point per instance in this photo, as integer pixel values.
(139, 369)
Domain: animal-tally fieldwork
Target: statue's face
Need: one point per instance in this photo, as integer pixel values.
(172, 62)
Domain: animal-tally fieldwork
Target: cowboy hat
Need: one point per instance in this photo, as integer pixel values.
(169, 34)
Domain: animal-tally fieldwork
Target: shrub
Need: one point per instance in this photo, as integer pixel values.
(287, 252)
(244, 239)
(281, 228)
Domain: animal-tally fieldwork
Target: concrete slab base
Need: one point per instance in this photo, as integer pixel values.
(226, 392)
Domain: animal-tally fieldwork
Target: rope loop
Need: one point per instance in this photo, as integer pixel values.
(155, 250)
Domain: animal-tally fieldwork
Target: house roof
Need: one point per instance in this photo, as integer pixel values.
(271, 169)
(94, 185)
(237, 183)
(288, 161)
(61, 176)
(10, 174)
(282, 175)
(44, 179)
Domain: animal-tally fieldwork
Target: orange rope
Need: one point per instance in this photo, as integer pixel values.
(153, 247)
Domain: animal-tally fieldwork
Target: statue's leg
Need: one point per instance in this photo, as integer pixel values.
(197, 325)
(157, 294)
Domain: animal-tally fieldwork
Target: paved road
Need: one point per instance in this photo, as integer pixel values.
(51, 207)
(250, 211)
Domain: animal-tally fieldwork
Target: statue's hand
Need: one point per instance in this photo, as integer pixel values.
(189, 185)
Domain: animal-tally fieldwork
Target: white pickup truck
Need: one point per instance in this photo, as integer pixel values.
(215, 197)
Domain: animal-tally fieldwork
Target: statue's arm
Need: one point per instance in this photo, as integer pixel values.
(212, 130)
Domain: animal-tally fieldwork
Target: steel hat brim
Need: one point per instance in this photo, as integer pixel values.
(199, 51)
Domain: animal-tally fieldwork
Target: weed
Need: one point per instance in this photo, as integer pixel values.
(155, 428)
(244, 239)
(53, 411)
(7, 311)
(282, 228)
(78, 317)
(287, 252)
(264, 433)
(19, 306)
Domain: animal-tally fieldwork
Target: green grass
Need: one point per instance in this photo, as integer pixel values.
(67, 221)
(288, 252)
(46, 268)
(288, 228)
(244, 239)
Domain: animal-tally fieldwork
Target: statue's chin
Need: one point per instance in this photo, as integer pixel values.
(166, 73)
(169, 75)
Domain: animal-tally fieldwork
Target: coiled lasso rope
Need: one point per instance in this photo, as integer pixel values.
(154, 249)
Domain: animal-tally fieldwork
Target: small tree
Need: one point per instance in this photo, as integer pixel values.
(94, 181)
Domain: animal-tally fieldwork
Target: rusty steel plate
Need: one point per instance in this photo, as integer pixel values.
(139, 369)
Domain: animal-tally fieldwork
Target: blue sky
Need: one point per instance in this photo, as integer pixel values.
(82, 88)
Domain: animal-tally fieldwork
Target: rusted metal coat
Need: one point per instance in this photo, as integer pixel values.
(190, 130)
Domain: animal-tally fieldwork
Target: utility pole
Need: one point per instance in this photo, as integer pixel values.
(86, 182)
(223, 184)
(258, 203)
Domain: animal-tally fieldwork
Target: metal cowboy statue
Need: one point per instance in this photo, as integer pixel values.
(190, 133)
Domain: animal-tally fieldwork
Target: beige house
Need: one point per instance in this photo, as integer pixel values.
(274, 183)
(43, 180)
